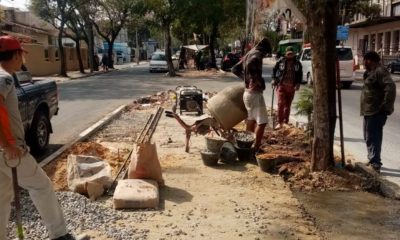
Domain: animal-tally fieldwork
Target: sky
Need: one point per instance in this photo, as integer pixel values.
(21, 4)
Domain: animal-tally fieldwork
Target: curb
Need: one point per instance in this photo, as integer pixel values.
(84, 135)
(96, 72)
(387, 188)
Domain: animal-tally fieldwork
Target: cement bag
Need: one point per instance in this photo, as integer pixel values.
(145, 164)
(136, 193)
(82, 170)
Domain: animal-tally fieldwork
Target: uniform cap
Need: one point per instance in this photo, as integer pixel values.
(9, 43)
(289, 49)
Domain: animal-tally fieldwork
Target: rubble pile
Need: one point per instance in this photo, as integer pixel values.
(82, 215)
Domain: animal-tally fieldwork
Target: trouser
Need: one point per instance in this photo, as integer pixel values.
(32, 178)
(373, 134)
(285, 98)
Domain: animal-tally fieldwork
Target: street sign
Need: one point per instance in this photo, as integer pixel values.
(342, 33)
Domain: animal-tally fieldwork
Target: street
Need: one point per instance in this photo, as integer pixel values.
(85, 101)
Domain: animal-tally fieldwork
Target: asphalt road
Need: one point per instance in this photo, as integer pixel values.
(85, 101)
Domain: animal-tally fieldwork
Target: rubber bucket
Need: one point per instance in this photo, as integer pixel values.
(227, 106)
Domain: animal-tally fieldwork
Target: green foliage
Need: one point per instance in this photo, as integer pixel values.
(110, 16)
(274, 38)
(304, 106)
(348, 8)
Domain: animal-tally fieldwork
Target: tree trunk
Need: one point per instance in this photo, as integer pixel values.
(182, 56)
(137, 50)
(213, 37)
(322, 27)
(63, 68)
(79, 55)
(168, 54)
(110, 54)
(90, 42)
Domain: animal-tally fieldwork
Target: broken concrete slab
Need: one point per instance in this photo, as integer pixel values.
(387, 188)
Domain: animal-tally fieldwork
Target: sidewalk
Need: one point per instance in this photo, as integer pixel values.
(389, 189)
(77, 74)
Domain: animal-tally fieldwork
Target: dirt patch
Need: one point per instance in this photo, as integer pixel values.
(57, 170)
(290, 148)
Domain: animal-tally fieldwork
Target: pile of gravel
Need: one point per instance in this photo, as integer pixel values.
(81, 215)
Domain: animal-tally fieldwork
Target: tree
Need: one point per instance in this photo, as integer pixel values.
(76, 31)
(79, 23)
(55, 12)
(210, 19)
(322, 22)
(163, 12)
(348, 8)
(110, 17)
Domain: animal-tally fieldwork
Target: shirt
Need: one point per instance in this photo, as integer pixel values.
(9, 93)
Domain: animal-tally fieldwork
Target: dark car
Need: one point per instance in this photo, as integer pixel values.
(394, 66)
(229, 60)
(38, 103)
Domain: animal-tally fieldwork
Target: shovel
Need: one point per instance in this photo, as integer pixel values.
(272, 107)
(20, 231)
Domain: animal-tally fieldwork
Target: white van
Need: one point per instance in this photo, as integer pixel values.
(158, 62)
(346, 65)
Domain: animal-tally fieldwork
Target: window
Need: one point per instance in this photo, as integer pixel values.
(306, 55)
(344, 54)
(57, 57)
(46, 55)
(396, 9)
(158, 57)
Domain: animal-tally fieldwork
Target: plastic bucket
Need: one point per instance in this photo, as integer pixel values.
(227, 106)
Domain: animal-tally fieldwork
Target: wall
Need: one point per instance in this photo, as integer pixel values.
(36, 62)
(71, 58)
(43, 61)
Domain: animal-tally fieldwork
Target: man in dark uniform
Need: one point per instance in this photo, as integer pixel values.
(14, 152)
(377, 102)
(249, 68)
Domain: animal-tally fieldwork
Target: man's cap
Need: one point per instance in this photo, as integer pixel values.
(9, 43)
(373, 56)
(289, 49)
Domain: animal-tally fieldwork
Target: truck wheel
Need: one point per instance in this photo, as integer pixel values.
(39, 132)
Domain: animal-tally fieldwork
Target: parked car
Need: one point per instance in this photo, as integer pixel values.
(393, 66)
(38, 103)
(346, 65)
(229, 61)
(158, 62)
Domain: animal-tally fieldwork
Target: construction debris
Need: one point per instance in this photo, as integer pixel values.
(88, 174)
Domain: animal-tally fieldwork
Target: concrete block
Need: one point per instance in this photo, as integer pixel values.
(136, 193)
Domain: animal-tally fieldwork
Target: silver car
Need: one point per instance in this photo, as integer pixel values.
(158, 62)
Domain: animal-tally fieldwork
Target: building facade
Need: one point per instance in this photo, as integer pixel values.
(40, 39)
(381, 34)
